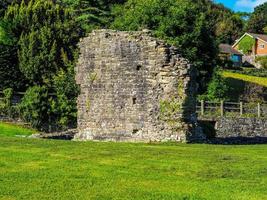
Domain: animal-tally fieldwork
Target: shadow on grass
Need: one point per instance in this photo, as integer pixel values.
(239, 140)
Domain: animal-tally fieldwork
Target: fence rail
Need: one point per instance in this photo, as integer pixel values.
(206, 109)
(231, 109)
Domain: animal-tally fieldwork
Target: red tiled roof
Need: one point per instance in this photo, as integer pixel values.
(259, 36)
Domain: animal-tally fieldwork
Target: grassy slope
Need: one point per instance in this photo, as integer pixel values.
(253, 79)
(42, 169)
(13, 130)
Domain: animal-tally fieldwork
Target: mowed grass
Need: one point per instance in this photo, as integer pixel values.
(9, 129)
(48, 169)
(252, 79)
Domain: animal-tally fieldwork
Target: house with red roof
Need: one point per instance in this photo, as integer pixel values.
(252, 46)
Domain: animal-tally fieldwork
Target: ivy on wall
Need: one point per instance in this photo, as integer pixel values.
(246, 44)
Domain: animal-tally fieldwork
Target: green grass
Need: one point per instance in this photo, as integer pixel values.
(9, 129)
(46, 169)
(252, 79)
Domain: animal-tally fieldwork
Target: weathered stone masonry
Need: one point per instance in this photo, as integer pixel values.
(134, 88)
(241, 127)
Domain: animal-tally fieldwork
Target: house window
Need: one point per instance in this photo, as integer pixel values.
(262, 46)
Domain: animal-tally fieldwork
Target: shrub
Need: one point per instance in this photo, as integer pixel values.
(6, 107)
(263, 61)
(217, 88)
(34, 107)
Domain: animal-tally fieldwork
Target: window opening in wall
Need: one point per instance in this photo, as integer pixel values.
(138, 67)
(135, 131)
(134, 100)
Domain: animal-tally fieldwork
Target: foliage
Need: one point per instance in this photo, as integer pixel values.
(182, 23)
(252, 79)
(43, 38)
(11, 78)
(258, 20)
(263, 61)
(47, 35)
(64, 106)
(170, 108)
(10, 75)
(217, 88)
(34, 107)
(228, 25)
(246, 44)
(6, 107)
(92, 14)
(79, 170)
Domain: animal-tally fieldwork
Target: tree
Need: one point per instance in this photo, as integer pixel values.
(228, 25)
(217, 88)
(10, 75)
(183, 23)
(45, 31)
(46, 40)
(258, 19)
(92, 14)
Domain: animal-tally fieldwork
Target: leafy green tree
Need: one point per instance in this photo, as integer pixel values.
(10, 75)
(65, 104)
(258, 20)
(92, 14)
(45, 30)
(35, 107)
(47, 35)
(226, 24)
(217, 88)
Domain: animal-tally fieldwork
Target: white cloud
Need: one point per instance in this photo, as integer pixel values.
(248, 4)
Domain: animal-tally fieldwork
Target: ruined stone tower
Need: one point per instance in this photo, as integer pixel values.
(134, 88)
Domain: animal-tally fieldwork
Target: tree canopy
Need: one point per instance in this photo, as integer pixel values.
(38, 43)
(257, 23)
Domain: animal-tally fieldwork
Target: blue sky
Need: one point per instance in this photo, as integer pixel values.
(241, 5)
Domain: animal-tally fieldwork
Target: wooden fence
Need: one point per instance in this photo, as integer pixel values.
(17, 96)
(205, 109)
(231, 109)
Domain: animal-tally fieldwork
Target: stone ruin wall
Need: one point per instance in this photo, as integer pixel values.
(241, 127)
(134, 88)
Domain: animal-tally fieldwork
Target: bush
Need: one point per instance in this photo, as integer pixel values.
(263, 61)
(52, 112)
(34, 107)
(65, 106)
(217, 88)
(6, 107)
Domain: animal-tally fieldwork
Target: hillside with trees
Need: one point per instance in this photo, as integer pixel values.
(38, 44)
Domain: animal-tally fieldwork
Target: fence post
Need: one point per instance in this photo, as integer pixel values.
(259, 110)
(241, 108)
(222, 108)
(202, 107)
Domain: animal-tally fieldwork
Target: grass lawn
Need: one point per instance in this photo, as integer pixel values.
(8, 129)
(253, 79)
(49, 169)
